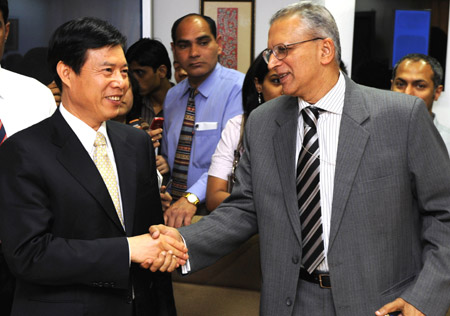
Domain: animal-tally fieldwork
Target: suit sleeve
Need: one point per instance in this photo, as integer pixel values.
(32, 249)
(430, 175)
(231, 223)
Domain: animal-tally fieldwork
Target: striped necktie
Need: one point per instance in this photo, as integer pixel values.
(308, 193)
(2, 133)
(106, 170)
(183, 153)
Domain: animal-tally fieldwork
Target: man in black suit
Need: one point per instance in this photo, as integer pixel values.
(78, 193)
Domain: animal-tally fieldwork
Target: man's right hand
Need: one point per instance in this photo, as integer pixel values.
(157, 230)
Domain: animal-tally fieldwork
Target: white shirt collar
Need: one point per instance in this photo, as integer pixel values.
(84, 132)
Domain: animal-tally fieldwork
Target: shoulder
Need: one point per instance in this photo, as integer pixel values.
(233, 76)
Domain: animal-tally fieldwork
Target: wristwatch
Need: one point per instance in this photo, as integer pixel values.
(192, 198)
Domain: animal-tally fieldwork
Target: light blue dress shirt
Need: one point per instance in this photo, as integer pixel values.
(218, 100)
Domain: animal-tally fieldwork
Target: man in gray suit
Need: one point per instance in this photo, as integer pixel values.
(361, 226)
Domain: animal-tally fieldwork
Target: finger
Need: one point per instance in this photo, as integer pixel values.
(179, 221)
(171, 215)
(187, 220)
(173, 264)
(166, 217)
(167, 262)
(154, 231)
(394, 306)
(146, 264)
(159, 262)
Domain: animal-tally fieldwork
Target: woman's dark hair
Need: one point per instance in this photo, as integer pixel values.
(70, 42)
(135, 111)
(151, 53)
(258, 69)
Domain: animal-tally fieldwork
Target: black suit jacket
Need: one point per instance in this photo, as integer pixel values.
(61, 235)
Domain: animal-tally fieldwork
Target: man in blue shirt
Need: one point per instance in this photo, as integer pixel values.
(218, 98)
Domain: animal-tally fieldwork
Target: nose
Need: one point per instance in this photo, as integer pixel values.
(409, 90)
(273, 62)
(120, 80)
(194, 50)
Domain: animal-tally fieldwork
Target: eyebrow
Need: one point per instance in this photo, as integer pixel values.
(184, 41)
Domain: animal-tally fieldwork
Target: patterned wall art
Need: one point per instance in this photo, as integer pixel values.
(235, 25)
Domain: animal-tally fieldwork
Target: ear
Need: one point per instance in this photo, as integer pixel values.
(257, 85)
(438, 92)
(392, 84)
(219, 43)
(162, 71)
(65, 73)
(327, 51)
(173, 47)
(7, 30)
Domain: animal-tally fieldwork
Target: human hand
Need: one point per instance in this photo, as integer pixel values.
(145, 249)
(179, 213)
(162, 165)
(399, 305)
(55, 91)
(166, 198)
(166, 262)
(156, 135)
(158, 230)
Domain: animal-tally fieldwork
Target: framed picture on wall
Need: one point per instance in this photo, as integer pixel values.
(235, 24)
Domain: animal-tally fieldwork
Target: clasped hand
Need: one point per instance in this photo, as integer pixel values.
(160, 252)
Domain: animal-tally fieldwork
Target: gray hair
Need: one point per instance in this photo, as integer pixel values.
(438, 72)
(317, 19)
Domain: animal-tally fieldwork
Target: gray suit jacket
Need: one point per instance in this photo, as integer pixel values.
(390, 224)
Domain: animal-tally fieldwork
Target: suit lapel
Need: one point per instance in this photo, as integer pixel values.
(353, 138)
(126, 168)
(77, 162)
(284, 142)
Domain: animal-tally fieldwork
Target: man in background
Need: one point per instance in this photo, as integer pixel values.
(197, 109)
(421, 76)
(24, 101)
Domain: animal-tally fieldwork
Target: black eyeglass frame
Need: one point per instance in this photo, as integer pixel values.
(268, 52)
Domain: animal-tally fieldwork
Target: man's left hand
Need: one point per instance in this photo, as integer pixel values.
(399, 305)
(179, 213)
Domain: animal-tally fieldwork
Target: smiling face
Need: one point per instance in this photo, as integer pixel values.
(94, 95)
(196, 49)
(298, 71)
(416, 78)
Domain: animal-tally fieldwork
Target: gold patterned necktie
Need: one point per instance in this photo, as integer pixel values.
(106, 170)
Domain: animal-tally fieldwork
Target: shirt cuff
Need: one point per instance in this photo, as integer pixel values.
(186, 268)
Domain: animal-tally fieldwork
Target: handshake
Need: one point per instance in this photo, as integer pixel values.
(162, 249)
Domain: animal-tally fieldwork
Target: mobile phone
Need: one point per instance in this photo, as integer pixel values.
(157, 122)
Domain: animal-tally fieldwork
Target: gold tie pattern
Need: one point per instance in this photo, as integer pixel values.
(106, 170)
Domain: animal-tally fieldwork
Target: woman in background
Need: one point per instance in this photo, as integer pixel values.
(260, 85)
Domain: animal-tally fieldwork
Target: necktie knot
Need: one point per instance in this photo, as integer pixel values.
(311, 116)
(100, 140)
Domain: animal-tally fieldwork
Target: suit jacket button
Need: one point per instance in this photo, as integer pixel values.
(95, 284)
(106, 284)
(288, 302)
(113, 284)
(295, 259)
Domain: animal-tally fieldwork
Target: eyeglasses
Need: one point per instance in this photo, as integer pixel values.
(280, 51)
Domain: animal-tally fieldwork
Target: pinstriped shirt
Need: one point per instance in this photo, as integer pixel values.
(328, 133)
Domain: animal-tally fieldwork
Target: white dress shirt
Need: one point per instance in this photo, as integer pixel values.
(24, 101)
(328, 133)
(87, 135)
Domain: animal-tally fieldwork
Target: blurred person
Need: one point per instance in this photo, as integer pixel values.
(421, 76)
(24, 101)
(150, 65)
(79, 191)
(336, 179)
(196, 111)
(126, 103)
(260, 85)
(180, 73)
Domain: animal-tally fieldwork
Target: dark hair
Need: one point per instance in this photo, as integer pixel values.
(211, 23)
(71, 40)
(5, 9)
(151, 53)
(436, 67)
(258, 69)
(135, 111)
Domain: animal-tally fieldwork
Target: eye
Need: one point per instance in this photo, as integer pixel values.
(421, 86)
(203, 43)
(280, 49)
(182, 45)
(399, 84)
(276, 80)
